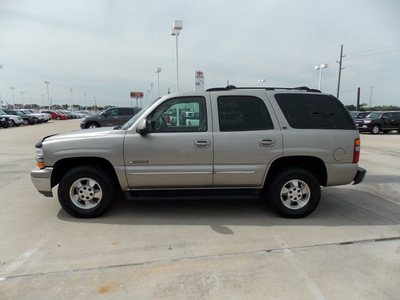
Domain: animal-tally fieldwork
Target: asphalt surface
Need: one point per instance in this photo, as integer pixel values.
(349, 248)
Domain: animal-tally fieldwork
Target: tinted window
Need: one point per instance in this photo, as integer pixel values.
(179, 115)
(126, 111)
(112, 111)
(238, 113)
(307, 111)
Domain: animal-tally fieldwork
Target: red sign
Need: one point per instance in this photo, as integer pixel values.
(136, 94)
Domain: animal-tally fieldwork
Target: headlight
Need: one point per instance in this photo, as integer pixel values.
(39, 158)
(367, 121)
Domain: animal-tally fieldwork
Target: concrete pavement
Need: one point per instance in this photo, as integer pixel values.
(215, 249)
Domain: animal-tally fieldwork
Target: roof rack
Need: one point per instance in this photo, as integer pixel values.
(232, 87)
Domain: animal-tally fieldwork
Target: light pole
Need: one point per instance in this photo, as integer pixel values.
(48, 94)
(22, 98)
(158, 81)
(1, 67)
(151, 88)
(72, 105)
(95, 104)
(85, 101)
(320, 67)
(176, 28)
(262, 81)
(12, 89)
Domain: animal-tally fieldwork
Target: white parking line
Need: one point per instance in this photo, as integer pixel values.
(23, 258)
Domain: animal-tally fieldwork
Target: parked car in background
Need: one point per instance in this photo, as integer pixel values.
(46, 117)
(41, 117)
(55, 115)
(111, 117)
(12, 120)
(27, 119)
(379, 121)
(4, 121)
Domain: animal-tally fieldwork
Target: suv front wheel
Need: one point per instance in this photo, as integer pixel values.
(295, 193)
(92, 125)
(86, 192)
(375, 129)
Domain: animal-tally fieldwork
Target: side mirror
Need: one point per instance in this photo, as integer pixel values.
(142, 127)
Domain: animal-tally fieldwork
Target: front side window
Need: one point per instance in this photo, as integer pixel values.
(112, 112)
(309, 111)
(187, 114)
(243, 113)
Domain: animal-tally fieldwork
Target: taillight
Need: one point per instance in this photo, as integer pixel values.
(357, 147)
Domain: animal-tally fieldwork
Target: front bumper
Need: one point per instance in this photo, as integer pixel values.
(360, 175)
(364, 128)
(41, 179)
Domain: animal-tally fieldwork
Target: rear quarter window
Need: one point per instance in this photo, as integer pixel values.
(310, 111)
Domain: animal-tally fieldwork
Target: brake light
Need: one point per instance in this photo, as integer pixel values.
(357, 147)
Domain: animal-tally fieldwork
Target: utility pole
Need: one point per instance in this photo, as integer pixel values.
(340, 70)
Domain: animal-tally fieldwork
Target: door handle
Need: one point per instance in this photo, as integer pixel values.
(267, 143)
(202, 144)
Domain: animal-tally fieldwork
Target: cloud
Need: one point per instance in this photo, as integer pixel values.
(108, 48)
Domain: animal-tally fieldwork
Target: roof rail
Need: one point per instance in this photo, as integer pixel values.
(232, 87)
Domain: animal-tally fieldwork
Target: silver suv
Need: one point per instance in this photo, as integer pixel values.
(278, 144)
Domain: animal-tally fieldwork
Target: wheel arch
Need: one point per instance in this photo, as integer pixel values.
(312, 164)
(64, 165)
(92, 122)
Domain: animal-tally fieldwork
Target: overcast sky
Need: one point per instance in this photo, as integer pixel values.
(108, 48)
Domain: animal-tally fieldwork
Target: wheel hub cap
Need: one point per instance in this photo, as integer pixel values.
(86, 193)
(295, 194)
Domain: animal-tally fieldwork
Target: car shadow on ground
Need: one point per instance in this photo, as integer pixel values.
(338, 207)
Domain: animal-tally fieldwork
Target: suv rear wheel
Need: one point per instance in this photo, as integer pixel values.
(295, 193)
(86, 192)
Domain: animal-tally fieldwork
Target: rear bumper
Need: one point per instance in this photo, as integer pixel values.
(41, 179)
(360, 175)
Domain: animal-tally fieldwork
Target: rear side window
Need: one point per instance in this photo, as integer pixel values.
(125, 111)
(307, 111)
(243, 113)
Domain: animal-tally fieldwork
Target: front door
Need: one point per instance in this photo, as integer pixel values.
(174, 153)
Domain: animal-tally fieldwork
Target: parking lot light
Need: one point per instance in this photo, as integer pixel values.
(320, 67)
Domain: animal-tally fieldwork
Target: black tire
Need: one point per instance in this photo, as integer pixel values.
(92, 125)
(86, 192)
(294, 193)
(375, 129)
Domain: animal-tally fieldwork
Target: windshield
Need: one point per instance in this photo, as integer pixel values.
(137, 116)
(2, 112)
(374, 115)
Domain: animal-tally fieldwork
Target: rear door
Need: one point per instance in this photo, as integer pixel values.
(124, 114)
(247, 138)
(389, 121)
